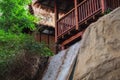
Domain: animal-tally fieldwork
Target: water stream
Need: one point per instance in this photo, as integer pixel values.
(61, 65)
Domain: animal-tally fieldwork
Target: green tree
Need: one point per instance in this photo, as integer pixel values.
(14, 17)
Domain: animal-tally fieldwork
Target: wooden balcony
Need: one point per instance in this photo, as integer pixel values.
(72, 25)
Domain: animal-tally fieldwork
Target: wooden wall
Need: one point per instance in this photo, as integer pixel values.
(48, 39)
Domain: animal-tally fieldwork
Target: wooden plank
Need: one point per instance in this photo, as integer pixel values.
(83, 12)
(56, 18)
(72, 38)
(82, 17)
(103, 5)
(79, 11)
(87, 3)
(90, 7)
(76, 14)
(93, 6)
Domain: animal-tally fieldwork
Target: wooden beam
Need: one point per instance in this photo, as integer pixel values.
(72, 38)
(76, 14)
(56, 18)
(103, 5)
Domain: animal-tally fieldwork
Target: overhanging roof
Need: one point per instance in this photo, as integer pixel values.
(63, 5)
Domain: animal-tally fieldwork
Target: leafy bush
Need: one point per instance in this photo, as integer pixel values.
(12, 45)
(14, 17)
(107, 11)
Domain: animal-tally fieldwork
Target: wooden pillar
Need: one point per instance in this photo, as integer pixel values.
(103, 5)
(56, 18)
(56, 25)
(76, 14)
(48, 38)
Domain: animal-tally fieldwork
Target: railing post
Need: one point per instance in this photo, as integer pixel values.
(56, 25)
(56, 18)
(76, 14)
(103, 5)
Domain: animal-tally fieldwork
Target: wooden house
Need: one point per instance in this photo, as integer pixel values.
(78, 15)
(45, 25)
(46, 35)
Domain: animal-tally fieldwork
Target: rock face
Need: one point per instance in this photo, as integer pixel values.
(27, 66)
(99, 55)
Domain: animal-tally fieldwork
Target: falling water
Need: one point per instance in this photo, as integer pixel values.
(61, 65)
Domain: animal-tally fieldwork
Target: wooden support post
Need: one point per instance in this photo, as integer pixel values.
(103, 5)
(48, 38)
(56, 25)
(76, 14)
(56, 18)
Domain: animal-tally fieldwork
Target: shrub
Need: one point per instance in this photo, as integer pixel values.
(12, 45)
(14, 17)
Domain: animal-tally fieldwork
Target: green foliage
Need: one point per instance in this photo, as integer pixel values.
(107, 11)
(15, 15)
(11, 45)
(35, 47)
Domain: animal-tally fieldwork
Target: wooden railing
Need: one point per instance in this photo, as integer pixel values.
(85, 9)
(112, 4)
(66, 22)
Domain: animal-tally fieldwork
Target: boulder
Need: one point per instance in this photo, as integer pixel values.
(99, 54)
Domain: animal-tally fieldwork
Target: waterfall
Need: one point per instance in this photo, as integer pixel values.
(61, 65)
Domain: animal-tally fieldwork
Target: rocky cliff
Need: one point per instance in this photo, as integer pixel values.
(99, 54)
